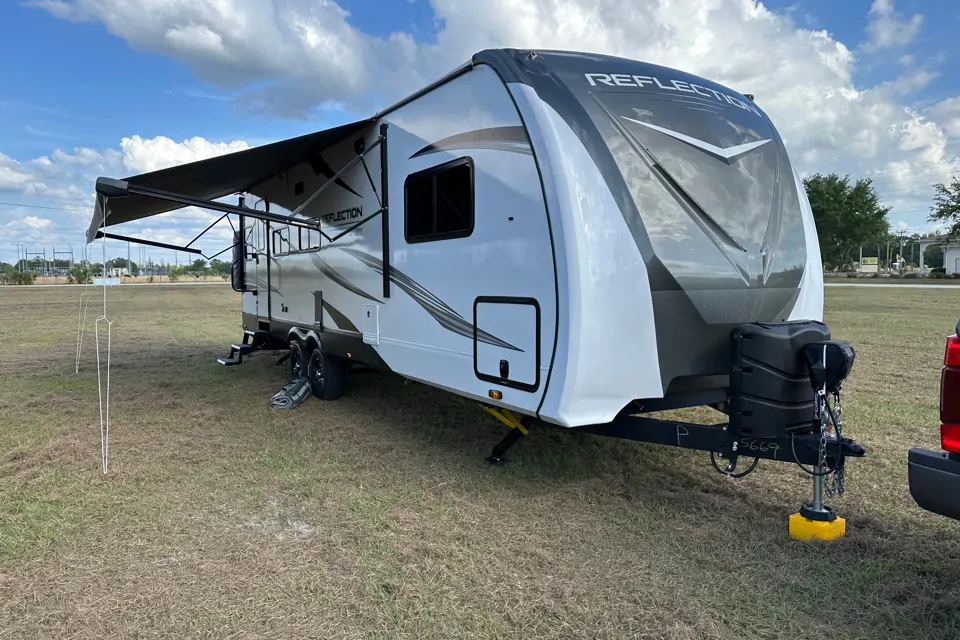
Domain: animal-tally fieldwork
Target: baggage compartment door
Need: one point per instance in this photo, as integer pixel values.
(506, 341)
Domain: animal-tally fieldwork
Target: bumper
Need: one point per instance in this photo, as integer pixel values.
(935, 481)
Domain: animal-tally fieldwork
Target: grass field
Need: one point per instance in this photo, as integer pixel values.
(375, 516)
(909, 282)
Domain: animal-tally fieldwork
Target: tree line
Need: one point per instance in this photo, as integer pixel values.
(850, 216)
(26, 271)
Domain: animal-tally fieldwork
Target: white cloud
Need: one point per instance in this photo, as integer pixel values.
(30, 222)
(24, 180)
(947, 114)
(29, 228)
(12, 176)
(61, 9)
(887, 29)
(145, 155)
(291, 56)
(60, 185)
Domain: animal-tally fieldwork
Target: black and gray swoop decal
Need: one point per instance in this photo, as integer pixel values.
(445, 315)
(332, 273)
(341, 320)
(512, 138)
(321, 167)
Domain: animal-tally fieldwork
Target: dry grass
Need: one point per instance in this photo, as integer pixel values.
(41, 279)
(375, 516)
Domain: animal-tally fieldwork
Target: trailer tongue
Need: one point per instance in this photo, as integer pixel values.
(783, 405)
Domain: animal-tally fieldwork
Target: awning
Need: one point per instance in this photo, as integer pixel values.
(215, 177)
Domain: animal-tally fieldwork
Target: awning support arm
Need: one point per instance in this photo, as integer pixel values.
(161, 245)
(151, 243)
(208, 228)
(220, 252)
(336, 176)
(372, 186)
(110, 188)
(385, 208)
(346, 231)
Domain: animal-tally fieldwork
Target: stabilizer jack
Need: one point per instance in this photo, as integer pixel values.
(517, 431)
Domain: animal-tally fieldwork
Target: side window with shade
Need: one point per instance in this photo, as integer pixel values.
(438, 202)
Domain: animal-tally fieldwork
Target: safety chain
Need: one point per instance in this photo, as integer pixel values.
(824, 417)
(837, 484)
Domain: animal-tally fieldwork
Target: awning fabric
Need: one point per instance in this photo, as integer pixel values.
(215, 177)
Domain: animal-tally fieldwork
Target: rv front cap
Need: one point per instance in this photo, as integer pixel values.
(680, 86)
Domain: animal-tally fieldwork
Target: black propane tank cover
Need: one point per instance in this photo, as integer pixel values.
(770, 392)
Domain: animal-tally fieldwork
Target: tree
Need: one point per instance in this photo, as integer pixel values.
(121, 263)
(198, 266)
(847, 217)
(219, 267)
(79, 274)
(933, 257)
(911, 249)
(18, 277)
(946, 207)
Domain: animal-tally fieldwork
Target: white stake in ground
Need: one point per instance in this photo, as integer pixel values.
(104, 394)
(81, 321)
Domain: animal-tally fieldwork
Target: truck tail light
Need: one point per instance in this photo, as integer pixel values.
(951, 356)
(950, 397)
(950, 437)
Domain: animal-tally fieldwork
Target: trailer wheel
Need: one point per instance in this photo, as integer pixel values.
(298, 361)
(325, 374)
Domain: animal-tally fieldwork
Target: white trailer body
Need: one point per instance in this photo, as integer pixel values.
(565, 235)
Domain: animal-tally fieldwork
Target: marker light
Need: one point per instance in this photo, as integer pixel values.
(950, 397)
(950, 437)
(951, 356)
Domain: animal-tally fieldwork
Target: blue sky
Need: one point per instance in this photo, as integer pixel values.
(71, 83)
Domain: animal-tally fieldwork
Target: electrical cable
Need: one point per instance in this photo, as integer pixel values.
(753, 465)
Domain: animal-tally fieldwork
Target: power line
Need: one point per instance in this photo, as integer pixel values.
(919, 178)
(922, 164)
(37, 206)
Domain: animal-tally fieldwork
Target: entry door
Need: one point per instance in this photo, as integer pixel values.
(255, 268)
(506, 341)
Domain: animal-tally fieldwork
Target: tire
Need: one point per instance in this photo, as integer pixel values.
(298, 360)
(325, 374)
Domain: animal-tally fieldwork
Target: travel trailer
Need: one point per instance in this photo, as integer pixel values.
(567, 238)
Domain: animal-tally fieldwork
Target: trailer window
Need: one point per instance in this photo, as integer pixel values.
(281, 241)
(309, 239)
(438, 202)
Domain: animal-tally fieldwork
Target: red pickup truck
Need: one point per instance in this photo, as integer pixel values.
(935, 475)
